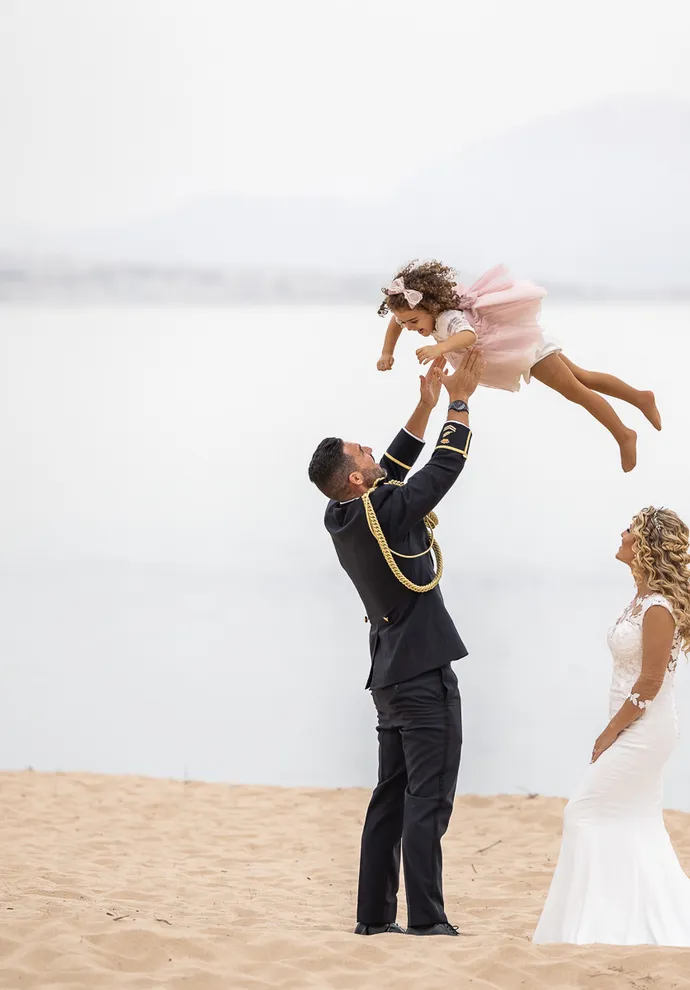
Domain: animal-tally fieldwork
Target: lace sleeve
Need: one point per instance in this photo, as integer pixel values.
(647, 603)
(655, 599)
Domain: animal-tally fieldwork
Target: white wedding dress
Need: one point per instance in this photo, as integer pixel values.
(618, 880)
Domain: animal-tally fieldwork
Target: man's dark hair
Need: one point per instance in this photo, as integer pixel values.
(330, 468)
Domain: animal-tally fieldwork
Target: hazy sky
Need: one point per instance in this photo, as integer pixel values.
(111, 109)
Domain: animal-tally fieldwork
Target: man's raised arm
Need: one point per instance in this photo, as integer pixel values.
(423, 492)
(407, 445)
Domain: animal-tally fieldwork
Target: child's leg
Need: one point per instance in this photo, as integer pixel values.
(609, 385)
(555, 373)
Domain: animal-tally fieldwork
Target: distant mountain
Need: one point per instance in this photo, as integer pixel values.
(597, 197)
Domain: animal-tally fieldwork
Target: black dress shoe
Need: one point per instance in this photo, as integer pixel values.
(443, 928)
(378, 929)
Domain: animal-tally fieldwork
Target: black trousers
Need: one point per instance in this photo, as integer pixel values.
(420, 737)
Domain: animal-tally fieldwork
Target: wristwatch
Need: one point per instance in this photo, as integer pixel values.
(458, 406)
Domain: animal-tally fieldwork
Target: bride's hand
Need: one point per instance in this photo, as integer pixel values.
(606, 739)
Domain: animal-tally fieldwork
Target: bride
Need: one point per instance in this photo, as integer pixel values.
(618, 880)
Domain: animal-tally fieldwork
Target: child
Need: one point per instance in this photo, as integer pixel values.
(500, 314)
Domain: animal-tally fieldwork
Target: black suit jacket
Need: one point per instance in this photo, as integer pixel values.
(410, 632)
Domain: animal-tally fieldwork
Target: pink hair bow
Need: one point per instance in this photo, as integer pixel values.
(397, 288)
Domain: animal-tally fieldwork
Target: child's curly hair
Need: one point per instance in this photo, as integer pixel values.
(435, 281)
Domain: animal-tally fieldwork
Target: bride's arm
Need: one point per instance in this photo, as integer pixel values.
(658, 628)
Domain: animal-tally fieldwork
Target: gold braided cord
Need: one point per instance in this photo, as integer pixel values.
(430, 521)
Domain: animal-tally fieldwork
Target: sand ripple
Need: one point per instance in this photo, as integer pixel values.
(123, 882)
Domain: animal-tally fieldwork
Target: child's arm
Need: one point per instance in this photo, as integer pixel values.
(385, 362)
(457, 342)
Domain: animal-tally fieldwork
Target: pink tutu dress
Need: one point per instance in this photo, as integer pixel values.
(503, 313)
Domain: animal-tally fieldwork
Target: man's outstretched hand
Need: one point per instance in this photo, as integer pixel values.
(463, 382)
(430, 384)
(460, 385)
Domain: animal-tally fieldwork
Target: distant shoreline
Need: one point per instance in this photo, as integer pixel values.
(126, 284)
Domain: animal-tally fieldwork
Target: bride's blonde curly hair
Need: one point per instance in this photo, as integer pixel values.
(661, 562)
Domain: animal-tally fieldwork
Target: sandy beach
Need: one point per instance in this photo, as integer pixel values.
(124, 882)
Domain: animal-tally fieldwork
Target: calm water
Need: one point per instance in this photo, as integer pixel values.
(171, 603)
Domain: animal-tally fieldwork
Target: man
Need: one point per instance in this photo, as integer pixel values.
(413, 641)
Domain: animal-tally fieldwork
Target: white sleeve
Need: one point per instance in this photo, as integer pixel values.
(458, 322)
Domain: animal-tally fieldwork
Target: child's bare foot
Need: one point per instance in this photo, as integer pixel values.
(649, 409)
(628, 446)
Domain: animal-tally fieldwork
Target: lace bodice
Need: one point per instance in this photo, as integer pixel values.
(625, 643)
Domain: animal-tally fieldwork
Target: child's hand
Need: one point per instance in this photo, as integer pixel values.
(429, 353)
(385, 362)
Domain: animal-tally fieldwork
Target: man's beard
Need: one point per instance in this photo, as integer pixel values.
(373, 474)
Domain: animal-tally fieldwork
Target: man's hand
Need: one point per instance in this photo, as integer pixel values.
(429, 391)
(385, 362)
(429, 353)
(430, 384)
(463, 382)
